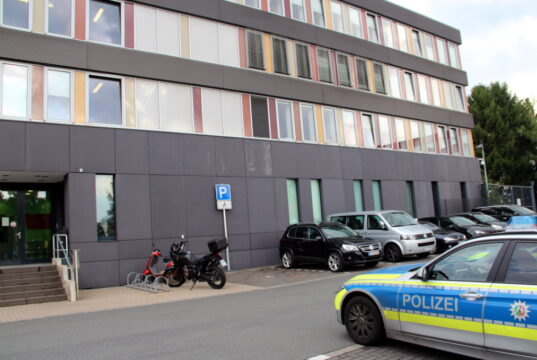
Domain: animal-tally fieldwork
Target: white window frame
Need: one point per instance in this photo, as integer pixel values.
(451, 142)
(313, 15)
(30, 17)
(384, 69)
(122, 19)
(399, 120)
(400, 26)
(248, 51)
(159, 125)
(390, 143)
(293, 135)
(361, 34)
(72, 35)
(258, 7)
(337, 3)
(72, 95)
(275, 13)
(305, 19)
(122, 88)
(426, 148)
(334, 110)
(316, 140)
(286, 55)
(308, 51)
(432, 56)
(372, 124)
(446, 140)
(367, 15)
(421, 94)
(459, 96)
(355, 134)
(451, 45)
(420, 136)
(387, 22)
(349, 71)
(391, 70)
(446, 55)
(252, 117)
(192, 119)
(414, 31)
(28, 89)
(330, 70)
(413, 81)
(466, 151)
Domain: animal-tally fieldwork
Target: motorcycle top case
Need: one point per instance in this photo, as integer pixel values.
(217, 245)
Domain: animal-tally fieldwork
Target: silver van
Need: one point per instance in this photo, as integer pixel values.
(399, 234)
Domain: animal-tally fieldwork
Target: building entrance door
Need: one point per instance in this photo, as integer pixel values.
(25, 226)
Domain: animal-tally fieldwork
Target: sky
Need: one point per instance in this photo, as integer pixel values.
(499, 39)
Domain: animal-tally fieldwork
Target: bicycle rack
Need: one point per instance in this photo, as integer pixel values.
(149, 283)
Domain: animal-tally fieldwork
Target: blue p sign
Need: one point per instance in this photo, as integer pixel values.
(223, 192)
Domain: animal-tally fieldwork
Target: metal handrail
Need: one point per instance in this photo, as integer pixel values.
(60, 250)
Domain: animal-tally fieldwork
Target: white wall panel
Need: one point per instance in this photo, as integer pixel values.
(147, 114)
(145, 28)
(212, 111)
(228, 45)
(169, 38)
(203, 40)
(232, 110)
(176, 112)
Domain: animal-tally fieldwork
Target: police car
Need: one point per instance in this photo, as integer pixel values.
(478, 299)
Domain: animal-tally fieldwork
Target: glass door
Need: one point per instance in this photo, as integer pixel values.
(10, 231)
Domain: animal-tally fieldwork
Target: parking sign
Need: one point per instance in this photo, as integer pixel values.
(223, 196)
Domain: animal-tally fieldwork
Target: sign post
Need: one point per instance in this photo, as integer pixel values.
(223, 202)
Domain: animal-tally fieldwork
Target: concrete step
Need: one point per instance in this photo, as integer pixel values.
(33, 300)
(32, 294)
(26, 268)
(28, 274)
(53, 277)
(21, 288)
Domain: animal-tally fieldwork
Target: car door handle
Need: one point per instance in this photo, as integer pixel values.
(472, 296)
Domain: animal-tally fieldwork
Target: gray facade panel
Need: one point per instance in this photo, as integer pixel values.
(308, 161)
(241, 259)
(198, 155)
(285, 160)
(165, 154)
(202, 217)
(348, 192)
(81, 218)
(368, 195)
(304, 200)
(12, 145)
(132, 152)
(330, 162)
(394, 195)
(423, 196)
(136, 249)
(238, 217)
(92, 150)
(351, 163)
(167, 206)
(239, 243)
(262, 205)
(378, 165)
(282, 204)
(264, 241)
(265, 257)
(258, 158)
(128, 266)
(133, 207)
(98, 251)
(100, 274)
(333, 197)
(46, 147)
(229, 157)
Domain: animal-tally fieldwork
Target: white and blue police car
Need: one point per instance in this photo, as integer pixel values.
(478, 299)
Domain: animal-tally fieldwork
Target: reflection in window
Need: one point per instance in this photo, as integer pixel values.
(318, 12)
(147, 104)
(466, 143)
(303, 61)
(106, 207)
(454, 139)
(292, 201)
(429, 138)
(349, 128)
(424, 94)
(400, 134)
(105, 21)
(435, 87)
(255, 51)
(415, 134)
(358, 198)
(59, 17)
(260, 119)
(448, 95)
(58, 95)
(297, 10)
(252, 3)
(14, 90)
(378, 73)
(429, 47)
(276, 7)
(323, 62)
(316, 201)
(285, 120)
(368, 131)
(441, 45)
(279, 55)
(394, 83)
(363, 77)
(372, 28)
(16, 13)
(104, 100)
(343, 70)
(356, 24)
(403, 42)
(308, 123)
(385, 133)
(337, 17)
(330, 126)
(453, 56)
(376, 190)
(442, 140)
(417, 43)
(387, 32)
(459, 98)
(409, 86)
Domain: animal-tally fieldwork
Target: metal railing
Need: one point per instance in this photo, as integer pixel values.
(60, 250)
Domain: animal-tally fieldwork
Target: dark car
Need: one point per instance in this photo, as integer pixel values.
(484, 219)
(504, 212)
(445, 239)
(328, 243)
(460, 224)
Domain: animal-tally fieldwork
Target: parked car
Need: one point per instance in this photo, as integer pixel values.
(484, 219)
(504, 212)
(399, 233)
(328, 243)
(460, 224)
(445, 239)
(520, 223)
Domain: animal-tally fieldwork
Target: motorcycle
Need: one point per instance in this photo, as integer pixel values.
(152, 268)
(188, 267)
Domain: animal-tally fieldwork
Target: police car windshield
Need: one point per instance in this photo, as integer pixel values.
(521, 210)
(483, 217)
(461, 221)
(336, 231)
(396, 219)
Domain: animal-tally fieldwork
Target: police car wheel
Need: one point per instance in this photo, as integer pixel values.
(335, 262)
(392, 253)
(363, 321)
(287, 259)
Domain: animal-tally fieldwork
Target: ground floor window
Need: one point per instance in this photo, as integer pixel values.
(106, 207)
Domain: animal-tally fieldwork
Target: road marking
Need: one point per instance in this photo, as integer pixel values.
(336, 353)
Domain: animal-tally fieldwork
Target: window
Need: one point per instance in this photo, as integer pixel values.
(232, 112)
(285, 120)
(459, 98)
(106, 207)
(429, 138)
(330, 126)
(344, 75)
(292, 201)
(104, 100)
(415, 135)
(104, 19)
(15, 93)
(316, 201)
(523, 265)
(252, 3)
(424, 93)
(260, 119)
(377, 195)
(363, 77)
(368, 129)
(349, 128)
(157, 31)
(303, 61)
(441, 45)
(453, 55)
(276, 7)
(417, 43)
(378, 73)
(355, 22)
(358, 202)
(58, 90)
(372, 28)
(411, 204)
(169, 38)
(387, 32)
(318, 12)
(16, 13)
(337, 17)
(59, 19)
(454, 139)
(309, 133)
(211, 107)
(400, 134)
(395, 89)
(374, 222)
(297, 10)
(279, 53)
(442, 140)
(409, 86)
(448, 95)
(435, 87)
(175, 107)
(466, 142)
(385, 133)
(429, 47)
(147, 109)
(401, 34)
(323, 63)
(255, 51)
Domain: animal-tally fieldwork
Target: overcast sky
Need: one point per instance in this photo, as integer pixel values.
(499, 39)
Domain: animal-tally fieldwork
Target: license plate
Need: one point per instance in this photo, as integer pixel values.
(223, 263)
(373, 253)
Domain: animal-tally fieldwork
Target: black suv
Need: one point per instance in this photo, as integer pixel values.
(328, 243)
(504, 212)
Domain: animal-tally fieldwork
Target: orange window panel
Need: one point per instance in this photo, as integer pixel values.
(320, 127)
(80, 97)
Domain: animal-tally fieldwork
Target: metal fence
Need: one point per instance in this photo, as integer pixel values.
(510, 194)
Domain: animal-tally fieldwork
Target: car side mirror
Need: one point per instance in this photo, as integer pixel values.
(383, 226)
(423, 274)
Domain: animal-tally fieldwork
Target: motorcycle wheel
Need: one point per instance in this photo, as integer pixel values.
(175, 278)
(216, 278)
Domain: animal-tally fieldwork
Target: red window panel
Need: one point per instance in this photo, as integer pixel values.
(333, 68)
(80, 20)
(264, 5)
(287, 8)
(129, 25)
(242, 48)
(307, 5)
(364, 25)
(313, 59)
(247, 115)
(296, 116)
(272, 118)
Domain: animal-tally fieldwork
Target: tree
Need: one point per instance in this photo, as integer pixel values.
(507, 127)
